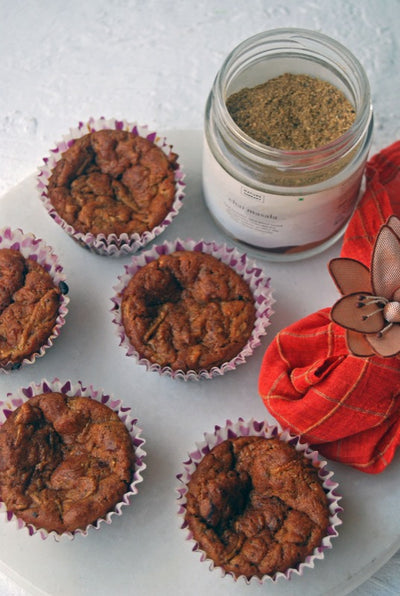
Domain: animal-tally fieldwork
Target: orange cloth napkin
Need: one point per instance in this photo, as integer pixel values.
(345, 406)
(380, 200)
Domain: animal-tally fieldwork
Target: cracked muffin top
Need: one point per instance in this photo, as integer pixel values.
(64, 461)
(188, 311)
(113, 182)
(256, 506)
(29, 303)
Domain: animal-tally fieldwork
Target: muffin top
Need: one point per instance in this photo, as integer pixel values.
(187, 311)
(113, 182)
(64, 461)
(256, 506)
(29, 303)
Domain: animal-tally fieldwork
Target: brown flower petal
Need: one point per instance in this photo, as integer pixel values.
(366, 319)
(394, 223)
(371, 299)
(385, 264)
(350, 276)
(357, 344)
(389, 344)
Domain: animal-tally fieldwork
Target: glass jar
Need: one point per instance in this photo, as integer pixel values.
(282, 204)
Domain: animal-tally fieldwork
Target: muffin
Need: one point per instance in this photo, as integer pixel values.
(256, 505)
(66, 460)
(32, 298)
(189, 311)
(112, 187)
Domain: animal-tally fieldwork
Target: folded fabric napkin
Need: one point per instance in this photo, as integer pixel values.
(334, 376)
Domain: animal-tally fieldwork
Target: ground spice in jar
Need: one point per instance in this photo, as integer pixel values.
(292, 112)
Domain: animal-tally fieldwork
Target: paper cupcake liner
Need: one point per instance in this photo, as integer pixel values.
(262, 429)
(38, 250)
(14, 400)
(111, 245)
(259, 285)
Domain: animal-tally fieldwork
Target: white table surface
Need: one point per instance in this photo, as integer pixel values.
(154, 62)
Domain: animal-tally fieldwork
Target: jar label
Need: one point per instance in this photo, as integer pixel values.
(272, 221)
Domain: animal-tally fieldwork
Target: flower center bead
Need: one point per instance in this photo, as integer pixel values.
(391, 312)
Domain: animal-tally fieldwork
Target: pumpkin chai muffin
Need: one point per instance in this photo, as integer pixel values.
(113, 186)
(30, 302)
(257, 503)
(187, 310)
(113, 182)
(65, 461)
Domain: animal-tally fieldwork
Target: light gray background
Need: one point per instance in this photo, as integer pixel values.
(154, 61)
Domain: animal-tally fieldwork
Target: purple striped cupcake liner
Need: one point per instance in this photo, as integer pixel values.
(70, 388)
(112, 245)
(248, 269)
(36, 249)
(261, 429)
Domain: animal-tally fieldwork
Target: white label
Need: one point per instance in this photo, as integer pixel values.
(275, 221)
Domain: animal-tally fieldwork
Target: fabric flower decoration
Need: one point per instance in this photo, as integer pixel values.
(369, 309)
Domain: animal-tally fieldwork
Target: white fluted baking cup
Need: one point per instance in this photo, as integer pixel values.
(112, 245)
(261, 429)
(36, 249)
(70, 388)
(239, 262)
